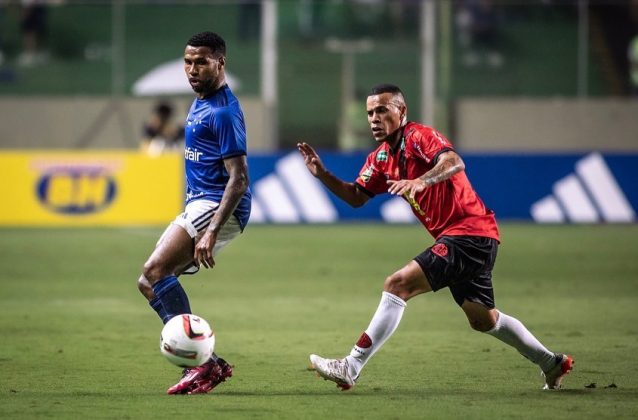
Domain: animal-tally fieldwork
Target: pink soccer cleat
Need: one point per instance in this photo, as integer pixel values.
(191, 376)
(221, 371)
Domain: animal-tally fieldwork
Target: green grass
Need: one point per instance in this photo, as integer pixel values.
(78, 341)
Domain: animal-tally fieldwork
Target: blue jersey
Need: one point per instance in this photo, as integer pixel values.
(214, 131)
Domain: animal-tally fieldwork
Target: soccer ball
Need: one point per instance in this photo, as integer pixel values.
(187, 340)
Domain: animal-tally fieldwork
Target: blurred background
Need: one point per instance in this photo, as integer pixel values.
(539, 96)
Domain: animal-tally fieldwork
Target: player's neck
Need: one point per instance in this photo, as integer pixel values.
(216, 87)
(394, 139)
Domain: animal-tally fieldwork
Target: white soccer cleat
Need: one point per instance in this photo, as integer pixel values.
(335, 370)
(555, 375)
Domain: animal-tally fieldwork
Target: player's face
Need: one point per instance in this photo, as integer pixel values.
(204, 71)
(385, 115)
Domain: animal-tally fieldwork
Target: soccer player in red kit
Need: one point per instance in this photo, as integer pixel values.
(416, 162)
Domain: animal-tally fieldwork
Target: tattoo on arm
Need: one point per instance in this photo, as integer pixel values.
(444, 169)
(235, 189)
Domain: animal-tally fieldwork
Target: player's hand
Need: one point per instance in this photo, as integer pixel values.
(411, 186)
(204, 250)
(312, 160)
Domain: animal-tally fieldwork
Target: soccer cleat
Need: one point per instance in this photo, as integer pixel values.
(335, 370)
(220, 372)
(190, 377)
(554, 377)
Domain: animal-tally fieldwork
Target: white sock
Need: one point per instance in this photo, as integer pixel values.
(384, 322)
(511, 331)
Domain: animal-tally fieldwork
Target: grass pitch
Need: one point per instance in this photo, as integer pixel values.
(78, 341)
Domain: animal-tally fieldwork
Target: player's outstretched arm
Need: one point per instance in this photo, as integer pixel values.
(347, 191)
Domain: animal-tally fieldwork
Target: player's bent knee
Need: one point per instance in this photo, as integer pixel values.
(144, 286)
(481, 325)
(153, 272)
(393, 284)
(399, 286)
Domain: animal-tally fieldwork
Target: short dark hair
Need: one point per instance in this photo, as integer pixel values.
(208, 39)
(385, 88)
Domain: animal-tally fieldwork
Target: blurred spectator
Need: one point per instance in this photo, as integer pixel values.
(477, 22)
(160, 133)
(633, 65)
(33, 26)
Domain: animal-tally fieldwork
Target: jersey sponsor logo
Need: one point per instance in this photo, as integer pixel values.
(192, 154)
(382, 156)
(190, 195)
(417, 147)
(413, 203)
(366, 174)
(440, 250)
(76, 190)
(589, 195)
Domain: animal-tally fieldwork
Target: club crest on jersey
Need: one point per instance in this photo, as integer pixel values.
(440, 250)
(382, 156)
(366, 174)
(192, 123)
(192, 154)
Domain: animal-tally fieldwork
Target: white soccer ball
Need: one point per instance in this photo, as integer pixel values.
(187, 340)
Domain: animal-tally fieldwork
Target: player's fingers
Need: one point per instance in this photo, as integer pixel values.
(209, 258)
(205, 261)
(396, 186)
(200, 258)
(404, 189)
(209, 261)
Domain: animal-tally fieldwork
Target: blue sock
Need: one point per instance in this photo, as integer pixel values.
(172, 297)
(157, 306)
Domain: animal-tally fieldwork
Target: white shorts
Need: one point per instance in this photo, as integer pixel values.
(196, 218)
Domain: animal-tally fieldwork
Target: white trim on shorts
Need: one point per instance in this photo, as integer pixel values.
(195, 220)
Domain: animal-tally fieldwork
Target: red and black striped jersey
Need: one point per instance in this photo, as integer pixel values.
(450, 207)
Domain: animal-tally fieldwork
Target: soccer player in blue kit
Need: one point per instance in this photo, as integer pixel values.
(217, 198)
